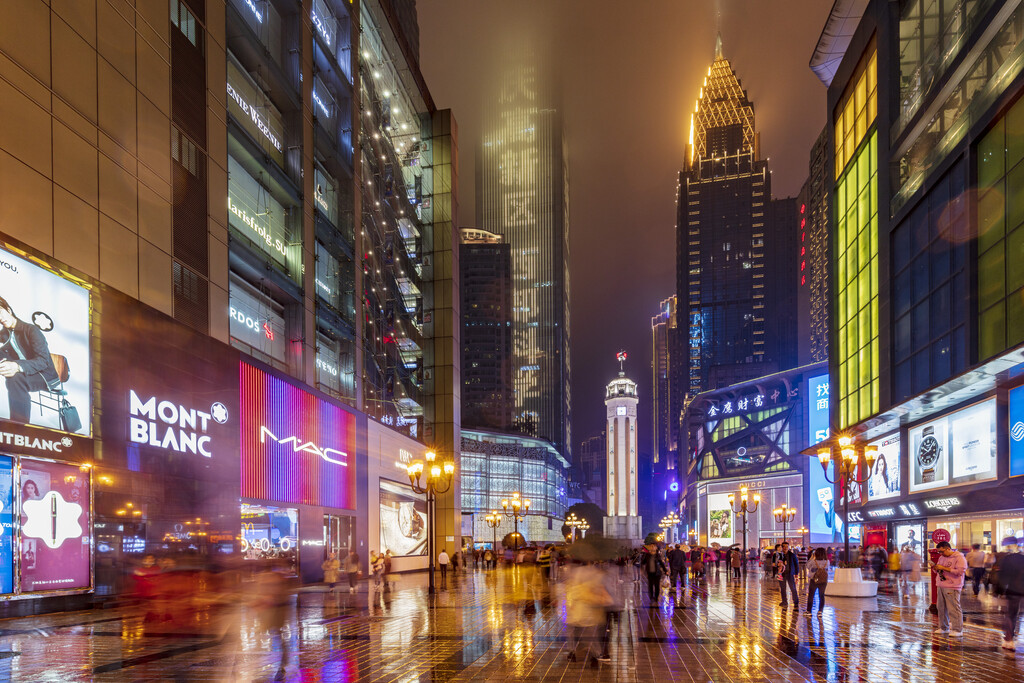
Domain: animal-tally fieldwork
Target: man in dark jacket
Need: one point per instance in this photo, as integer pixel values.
(789, 567)
(677, 566)
(652, 564)
(25, 362)
(1010, 578)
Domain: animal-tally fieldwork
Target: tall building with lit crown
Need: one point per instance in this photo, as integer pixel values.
(621, 402)
(523, 193)
(730, 291)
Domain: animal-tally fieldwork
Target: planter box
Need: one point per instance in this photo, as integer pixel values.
(850, 583)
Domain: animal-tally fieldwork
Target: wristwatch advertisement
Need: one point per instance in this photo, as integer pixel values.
(929, 456)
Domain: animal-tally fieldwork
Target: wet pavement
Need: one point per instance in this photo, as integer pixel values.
(498, 626)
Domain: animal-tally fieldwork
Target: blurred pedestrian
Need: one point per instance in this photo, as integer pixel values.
(388, 578)
(352, 570)
(677, 567)
(654, 567)
(1009, 582)
(976, 566)
(544, 562)
(817, 574)
(272, 598)
(586, 600)
(332, 571)
(377, 565)
(736, 560)
(951, 567)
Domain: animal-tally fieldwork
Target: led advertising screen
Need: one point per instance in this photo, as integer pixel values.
(817, 409)
(403, 520)
(823, 517)
(55, 526)
(885, 475)
(955, 449)
(6, 524)
(44, 347)
(296, 447)
(719, 519)
(1016, 431)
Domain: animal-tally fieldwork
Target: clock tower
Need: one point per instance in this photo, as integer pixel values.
(621, 408)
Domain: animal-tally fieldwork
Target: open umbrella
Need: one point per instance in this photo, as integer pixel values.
(716, 546)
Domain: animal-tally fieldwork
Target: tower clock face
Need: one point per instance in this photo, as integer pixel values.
(621, 410)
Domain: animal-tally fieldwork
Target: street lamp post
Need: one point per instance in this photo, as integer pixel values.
(573, 522)
(512, 511)
(746, 505)
(669, 521)
(493, 520)
(784, 515)
(803, 537)
(584, 525)
(846, 472)
(431, 478)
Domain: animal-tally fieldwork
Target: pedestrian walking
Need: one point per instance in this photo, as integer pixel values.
(377, 567)
(976, 566)
(443, 561)
(1009, 582)
(586, 599)
(544, 562)
(952, 568)
(817, 574)
(332, 571)
(388, 579)
(654, 568)
(352, 570)
(736, 560)
(488, 559)
(272, 599)
(677, 566)
(786, 570)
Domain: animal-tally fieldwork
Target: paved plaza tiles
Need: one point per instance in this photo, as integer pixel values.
(480, 628)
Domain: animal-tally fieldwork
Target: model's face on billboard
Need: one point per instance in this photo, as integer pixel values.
(7, 318)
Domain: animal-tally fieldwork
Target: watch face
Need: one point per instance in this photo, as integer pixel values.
(928, 452)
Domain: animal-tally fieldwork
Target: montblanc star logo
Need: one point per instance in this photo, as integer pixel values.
(52, 519)
(219, 412)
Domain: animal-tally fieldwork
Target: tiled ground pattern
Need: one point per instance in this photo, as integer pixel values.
(479, 630)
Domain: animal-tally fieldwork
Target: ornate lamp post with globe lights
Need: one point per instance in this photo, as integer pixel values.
(512, 511)
(493, 520)
(431, 478)
(746, 505)
(583, 526)
(573, 522)
(846, 472)
(784, 515)
(669, 521)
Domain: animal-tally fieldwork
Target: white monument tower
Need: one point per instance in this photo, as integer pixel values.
(621, 401)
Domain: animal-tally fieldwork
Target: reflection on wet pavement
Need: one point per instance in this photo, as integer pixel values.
(509, 625)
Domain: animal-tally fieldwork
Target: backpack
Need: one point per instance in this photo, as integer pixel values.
(820, 575)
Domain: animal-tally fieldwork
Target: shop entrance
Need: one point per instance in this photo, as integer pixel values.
(339, 535)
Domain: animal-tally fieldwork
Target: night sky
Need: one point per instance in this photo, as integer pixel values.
(630, 74)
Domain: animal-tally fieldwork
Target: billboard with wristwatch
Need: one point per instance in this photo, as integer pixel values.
(957, 448)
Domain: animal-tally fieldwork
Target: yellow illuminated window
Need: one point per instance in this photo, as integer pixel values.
(857, 284)
(856, 110)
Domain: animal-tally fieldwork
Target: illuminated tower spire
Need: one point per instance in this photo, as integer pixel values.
(722, 123)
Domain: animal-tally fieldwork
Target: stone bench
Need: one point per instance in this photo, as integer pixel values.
(850, 583)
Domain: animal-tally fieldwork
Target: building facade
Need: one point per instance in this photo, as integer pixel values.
(926, 339)
(589, 465)
(219, 193)
(731, 246)
(815, 202)
(496, 464)
(485, 260)
(752, 434)
(523, 194)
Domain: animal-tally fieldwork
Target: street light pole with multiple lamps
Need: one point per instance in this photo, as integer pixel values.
(431, 477)
(746, 505)
(846, 473)
(512, 509)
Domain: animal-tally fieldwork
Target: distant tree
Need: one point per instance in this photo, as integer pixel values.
(588, 511)
(510, 540)
(651, 538)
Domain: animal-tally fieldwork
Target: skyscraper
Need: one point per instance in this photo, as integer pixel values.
(486, 289)
(522, 193)
(814, 255)
(664, 409)
(725, 259)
